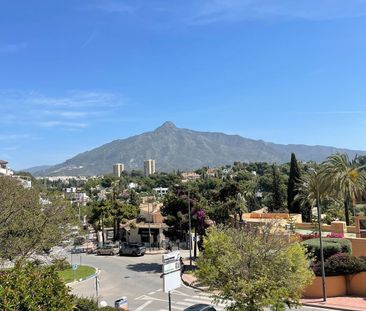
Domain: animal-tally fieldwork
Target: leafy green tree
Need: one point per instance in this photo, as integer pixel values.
(122, 211)
(134, 198)
(33, 288)
(175, 208)
(100, 213)
(242, 265)
(346, 178)
(292, 205)
(26, 226)
(277, 196)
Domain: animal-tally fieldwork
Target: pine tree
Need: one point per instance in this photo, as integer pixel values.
(292, 205)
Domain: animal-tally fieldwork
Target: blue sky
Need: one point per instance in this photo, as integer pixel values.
(77, 74)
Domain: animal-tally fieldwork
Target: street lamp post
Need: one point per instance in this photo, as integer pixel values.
(320, 235)
(190, 231)
(148, 210)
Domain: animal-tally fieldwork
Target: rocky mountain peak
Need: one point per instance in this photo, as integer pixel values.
(168, 125)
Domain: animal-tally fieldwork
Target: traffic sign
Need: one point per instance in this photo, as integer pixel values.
(171, 266)
(172, 256)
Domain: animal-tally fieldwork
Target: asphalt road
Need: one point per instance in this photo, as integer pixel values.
(138, 279)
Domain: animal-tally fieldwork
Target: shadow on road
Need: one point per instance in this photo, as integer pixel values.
(145, 267)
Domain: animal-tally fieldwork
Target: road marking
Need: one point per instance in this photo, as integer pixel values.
(142, 307)
(220, 305)
(184, 303)
(151, 293)
(159, 290)
(177, 292)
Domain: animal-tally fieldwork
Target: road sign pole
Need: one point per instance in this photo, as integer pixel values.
(170, 302)
(97, 289)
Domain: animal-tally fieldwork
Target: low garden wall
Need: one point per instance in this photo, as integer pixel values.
(335, 286)
(342, 285)
(358, 246)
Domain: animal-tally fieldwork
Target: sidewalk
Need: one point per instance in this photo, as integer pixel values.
(155, 251)
(336, 303)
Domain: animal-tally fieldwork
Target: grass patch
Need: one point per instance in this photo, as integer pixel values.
(68, 275)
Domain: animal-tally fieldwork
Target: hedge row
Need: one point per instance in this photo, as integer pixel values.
(331, 246)
(341, 264)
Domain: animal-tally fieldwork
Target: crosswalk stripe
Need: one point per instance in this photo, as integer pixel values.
(183, 303)
(144, 305)
(202, 298)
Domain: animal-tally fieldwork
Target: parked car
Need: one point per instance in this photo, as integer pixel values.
(106, 250)
(135, 249)
(200, 307)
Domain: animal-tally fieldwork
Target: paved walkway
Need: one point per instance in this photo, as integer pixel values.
(337, 303)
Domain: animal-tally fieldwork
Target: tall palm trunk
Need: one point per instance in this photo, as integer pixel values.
(346, 211)
(103, 242)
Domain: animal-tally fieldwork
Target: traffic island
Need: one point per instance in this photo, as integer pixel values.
(78, 273)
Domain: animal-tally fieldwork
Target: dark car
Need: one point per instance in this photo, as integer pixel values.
(200, 307)
(135, 249)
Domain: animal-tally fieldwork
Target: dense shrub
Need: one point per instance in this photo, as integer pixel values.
(85, 304)
(61, 264)
(304, 237)
(341, 264)
(331, 246)
(29, 287)
(335, 235)
(88, 304)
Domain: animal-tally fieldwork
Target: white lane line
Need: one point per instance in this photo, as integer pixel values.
(201, 297)
(201, 301)
(151, 293)
(159, 290)
(177, 292)
(142, 307)
(183, 303)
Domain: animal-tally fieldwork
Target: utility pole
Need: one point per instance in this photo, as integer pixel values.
(316, 176)
(190, 231)
(148, 211)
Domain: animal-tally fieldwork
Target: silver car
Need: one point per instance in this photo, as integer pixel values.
(106, 250)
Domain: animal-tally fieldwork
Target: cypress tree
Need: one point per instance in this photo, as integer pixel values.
(292, 205)
(276, 203)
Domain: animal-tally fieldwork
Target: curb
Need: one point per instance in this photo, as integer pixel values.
(328, 307)
(303, 304)
(156, 253)
(97, 271)
(190, 284)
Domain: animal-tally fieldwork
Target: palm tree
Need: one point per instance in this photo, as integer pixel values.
(346, 178)
(312, 189)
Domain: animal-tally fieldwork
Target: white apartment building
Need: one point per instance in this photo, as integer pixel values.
(118, 168)
(4, 170)
(161, 191)
(149, 167)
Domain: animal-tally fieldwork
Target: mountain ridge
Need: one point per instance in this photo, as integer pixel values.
(176, 148)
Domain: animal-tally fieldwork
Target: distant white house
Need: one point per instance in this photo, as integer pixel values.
(132, 185)
(4, 170)
(161, 191)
